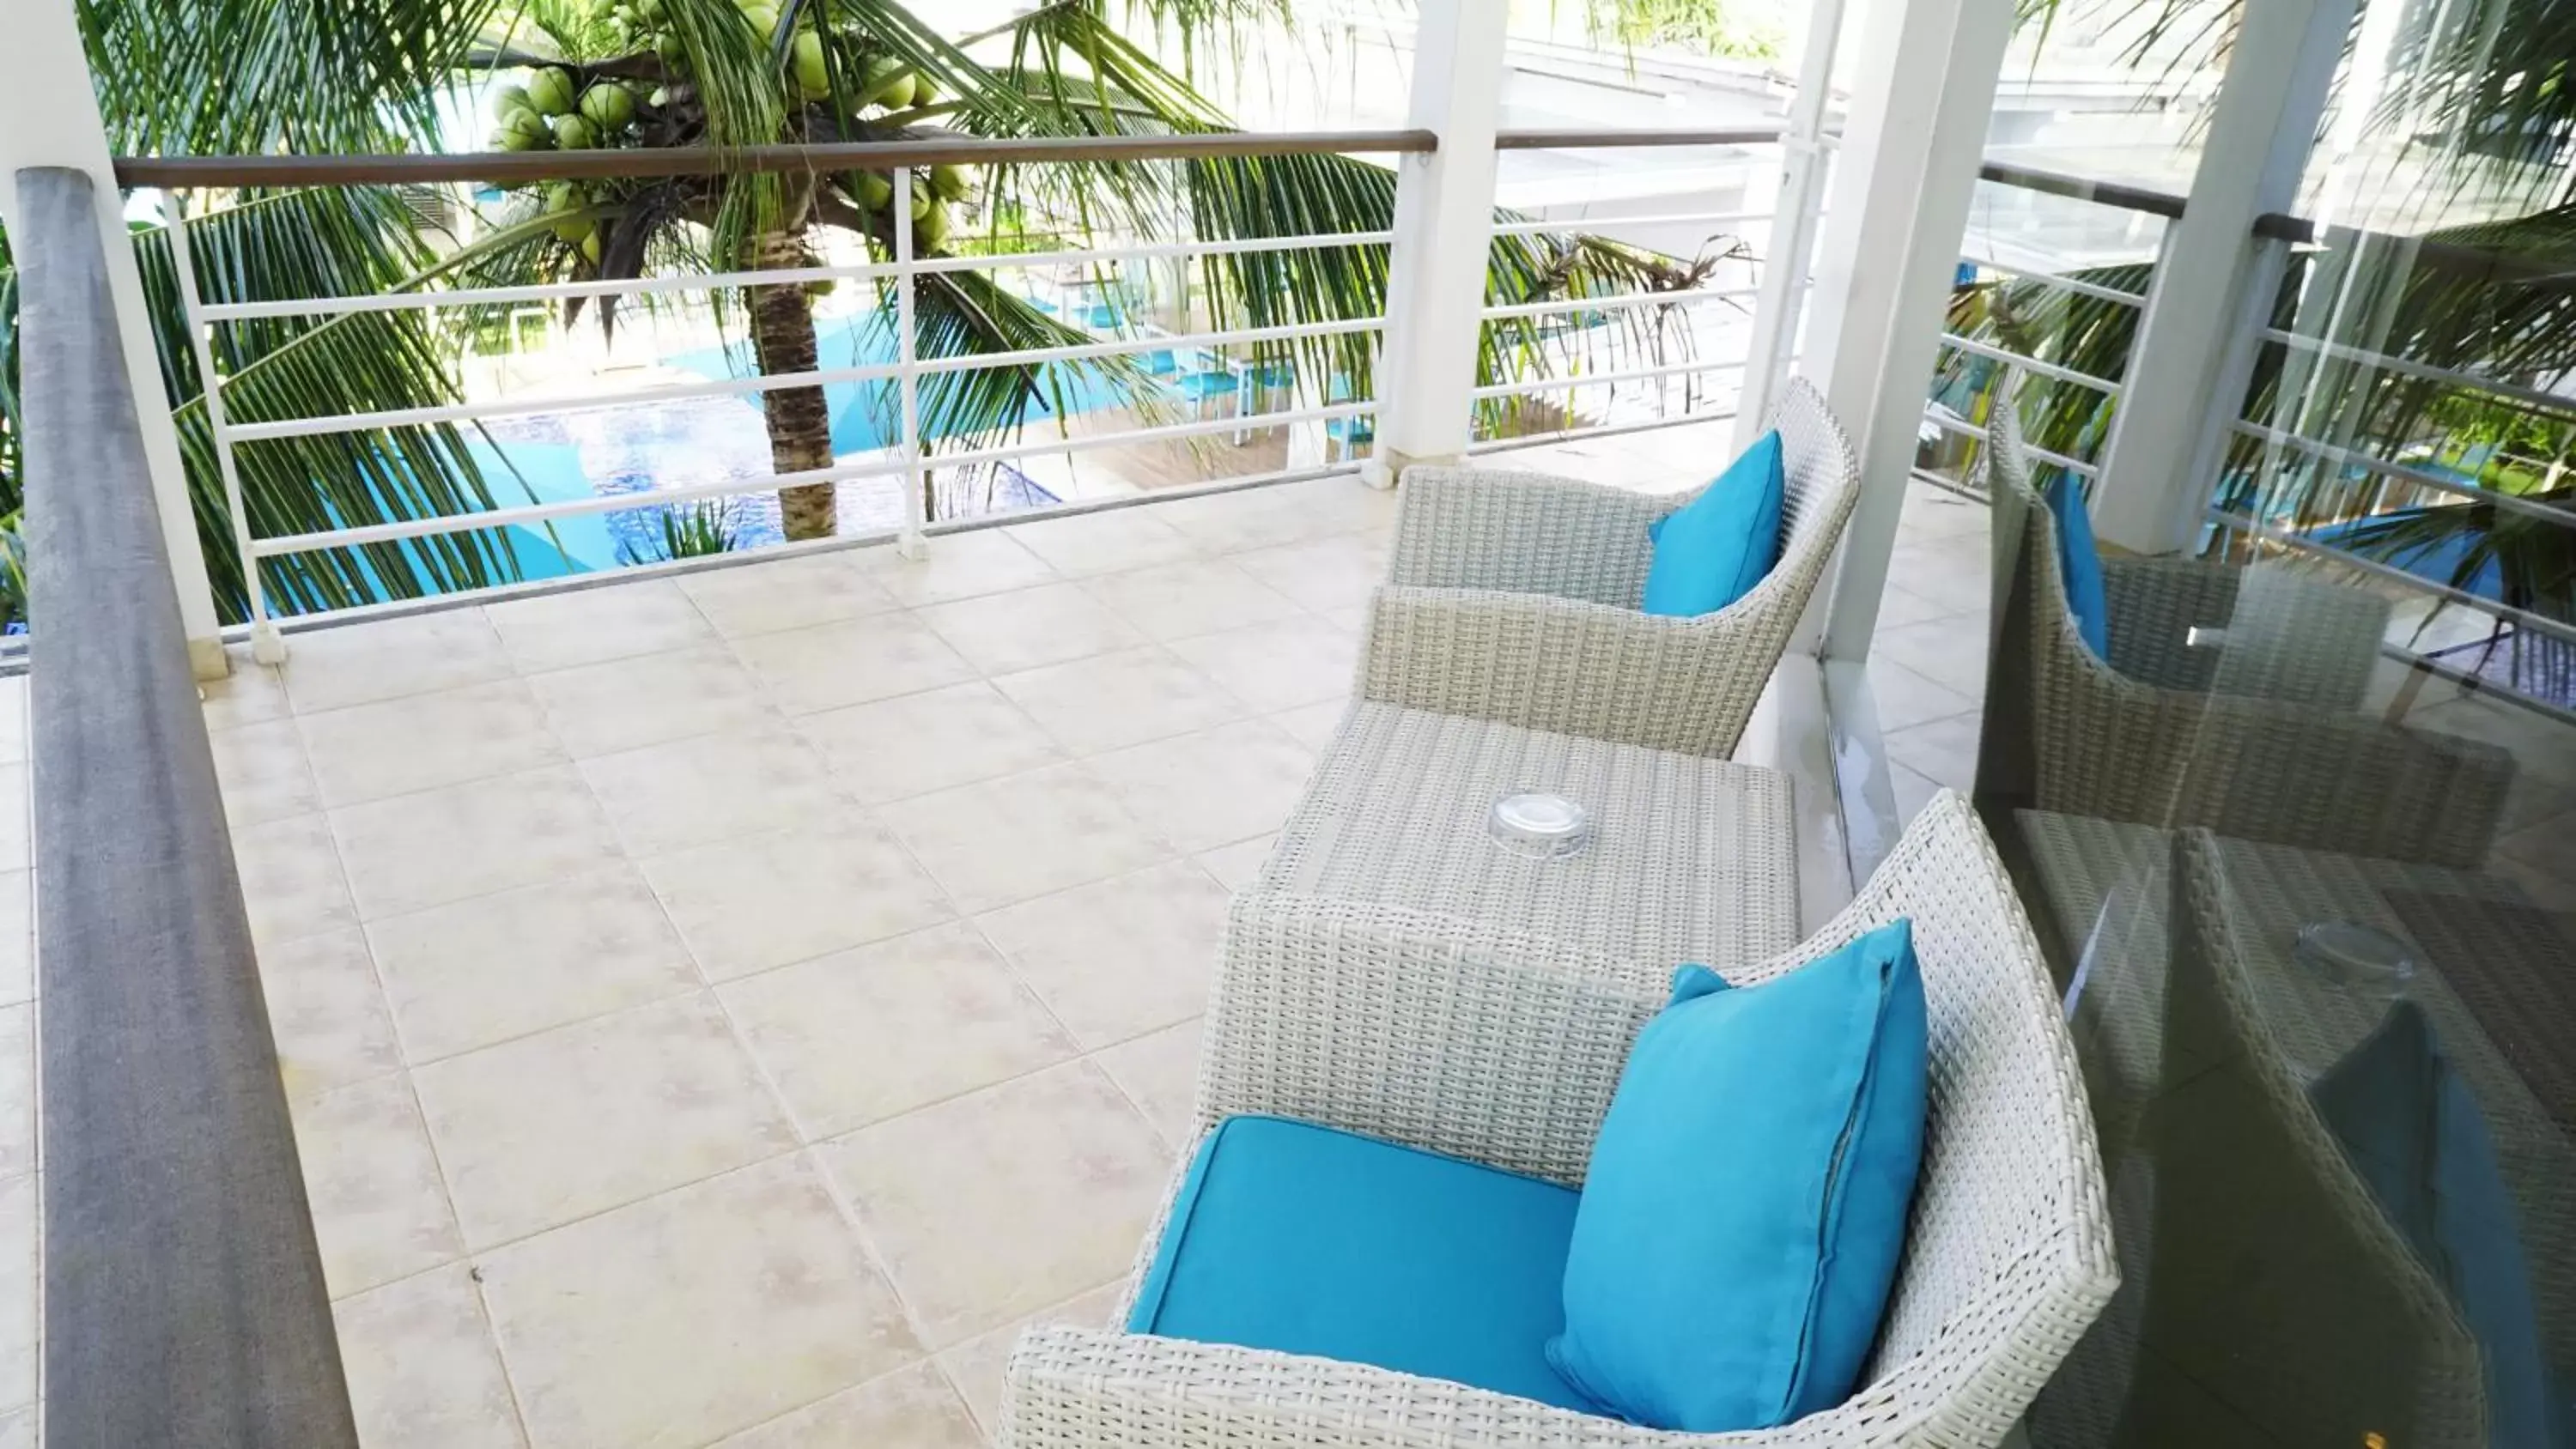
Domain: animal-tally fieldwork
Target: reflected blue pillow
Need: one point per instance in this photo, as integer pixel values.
(1747, 1198)
(1713, 551)
(2079, 562)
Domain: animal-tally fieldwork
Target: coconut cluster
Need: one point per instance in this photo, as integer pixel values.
(559, 109)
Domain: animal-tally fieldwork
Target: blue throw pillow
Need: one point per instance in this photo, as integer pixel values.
(2079, 563)
(1747, 1199)
(1713, 551)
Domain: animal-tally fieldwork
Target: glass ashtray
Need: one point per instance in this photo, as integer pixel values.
(1542, 825)
(2354, 956)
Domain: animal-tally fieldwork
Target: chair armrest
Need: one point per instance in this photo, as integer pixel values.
(2259, 769)
(1444, 1034)
(1603, 672)
(1524, 533)
(2313, 642)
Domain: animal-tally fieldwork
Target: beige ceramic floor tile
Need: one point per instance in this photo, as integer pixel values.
(1104, 542)
(959, 566)
(976, 1365)
(1214, 787)
(16, 844)
(1010, 839)
(913, 1407)
(693, 1315)
(17, 1090)
(585, 626)
(1313, 725)
(832, 665)
(379, 1205)
(263, 772)
(863, 1035)
(1119, 699)
(791, 593)
(499, 966)
(1159, 1072)
(423, 1372)
(1252, 518)
(1325, 573)
(17, 937)
(1236, 866)
(326, 1012)
(18, 1429)
(417, 851)
(1201, 596)
(391, 658)
(626, 704)
(1119, 958)
(251, 694)
(1944, 750)
(374, 751)
(1278, 665)
(1947, 652)
(990, 1206)
(1906, 699)
(714, 787)
(1914, 790)
(291, 879)
(552, 1127)
(20, 1273)
(1003, 633)
(747, 905)
(917, 743)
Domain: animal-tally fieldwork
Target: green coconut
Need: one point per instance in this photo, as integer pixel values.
(874, 191)
(763, 18)
(608, 107)
(922, 199)
(949, 182)
(878, 82)
(924, 91)
(561, 197)
(573, 229)
(508, 99)
(931, 232)
(550, 92)
(590, 247)
(661, 97)
(572, 133)
(812, 71)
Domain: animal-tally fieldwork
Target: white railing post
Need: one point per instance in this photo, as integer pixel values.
(1444, 225)
(1921, 99)
(916, 504)
(266, 644)
(1793, 223)
(49, 117)
(2176, 405)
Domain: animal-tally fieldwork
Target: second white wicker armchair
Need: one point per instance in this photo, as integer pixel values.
(1513, 597)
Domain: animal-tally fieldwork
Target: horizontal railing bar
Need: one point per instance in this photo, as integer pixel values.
(2237, 523)
(2083, 188)
(1617, 302)
(775, 276)
(2465, 261)
(2346, 457)
(1961, 427)
(1605, 430)
(2411, 368)
(2445, 669)
(187, 172)
(566, 508)
(1173, 432)
(2029, 364)
(1573, 139)
(1679, 218)
(2053, 279)
(1567, 384)
(745, 386)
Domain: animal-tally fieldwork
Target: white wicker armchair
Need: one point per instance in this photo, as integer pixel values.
(1514, 597)
(2265, 745)
(1505, 1049)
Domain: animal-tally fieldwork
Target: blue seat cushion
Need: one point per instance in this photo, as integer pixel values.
(1746, 1203)
(1309, 1240)
(2079, 563)
(1713, 550)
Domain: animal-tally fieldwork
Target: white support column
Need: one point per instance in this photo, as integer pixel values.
(2175, 404)
(1444, 227)
(1800, 177)
(1923, 90)
(49, 117)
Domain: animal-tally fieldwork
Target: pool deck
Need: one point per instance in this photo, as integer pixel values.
(724, 1008)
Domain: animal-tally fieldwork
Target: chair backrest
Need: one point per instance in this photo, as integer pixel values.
(1821, 483)
(2008, 1254)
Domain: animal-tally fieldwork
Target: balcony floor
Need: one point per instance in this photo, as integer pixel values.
(723, 1009)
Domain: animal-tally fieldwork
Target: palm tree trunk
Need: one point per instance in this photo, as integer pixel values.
(800, 422)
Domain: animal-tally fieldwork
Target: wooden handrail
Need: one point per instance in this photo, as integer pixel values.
(181, 172)
(2083, 188)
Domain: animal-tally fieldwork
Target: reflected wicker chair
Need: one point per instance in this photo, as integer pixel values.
(2256, 735)
(1514, 597)
(1504, 1049)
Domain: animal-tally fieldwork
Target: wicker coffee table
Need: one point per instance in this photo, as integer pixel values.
(1689, 859)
